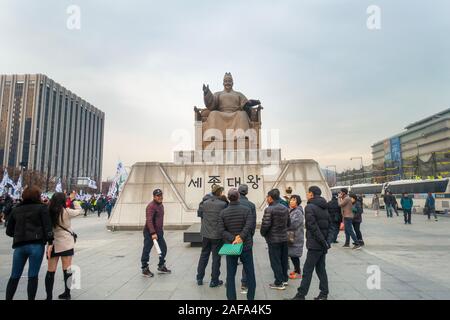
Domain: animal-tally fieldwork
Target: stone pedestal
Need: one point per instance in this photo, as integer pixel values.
(185, 183)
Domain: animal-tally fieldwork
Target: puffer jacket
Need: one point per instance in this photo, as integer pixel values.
(297, 218)
(357, 212)
(30, 223)
(236, 219)
(245, 202)
(211, 209)
(275, 222)
(334, 210)
(317, 222)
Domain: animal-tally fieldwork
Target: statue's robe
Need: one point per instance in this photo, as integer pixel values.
(226, 111)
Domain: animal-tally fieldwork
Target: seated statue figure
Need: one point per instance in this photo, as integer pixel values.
(227, 109)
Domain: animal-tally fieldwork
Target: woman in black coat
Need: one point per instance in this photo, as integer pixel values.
(30, 226)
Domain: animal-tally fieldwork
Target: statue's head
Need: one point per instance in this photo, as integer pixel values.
(228, 81)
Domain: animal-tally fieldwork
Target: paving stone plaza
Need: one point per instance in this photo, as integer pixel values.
(413, 261)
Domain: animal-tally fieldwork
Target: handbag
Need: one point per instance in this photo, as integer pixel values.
(74, 235)
(229, 249)
(291, 237)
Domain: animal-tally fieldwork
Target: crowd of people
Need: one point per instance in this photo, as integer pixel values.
(42, 227)
(232, 219)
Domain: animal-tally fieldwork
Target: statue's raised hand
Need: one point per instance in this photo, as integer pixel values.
(205, 89)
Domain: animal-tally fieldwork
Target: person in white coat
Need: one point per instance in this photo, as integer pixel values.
(63, 244)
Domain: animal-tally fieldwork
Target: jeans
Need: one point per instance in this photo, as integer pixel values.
(315, 259)
(389, 209)
(357, 227)
(407, 215)
(34, 253)
(209, 246)
(247, 261)
(148, 245)
(278, 254)
(349, 233)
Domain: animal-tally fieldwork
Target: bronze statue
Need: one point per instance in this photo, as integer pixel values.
(228, 109)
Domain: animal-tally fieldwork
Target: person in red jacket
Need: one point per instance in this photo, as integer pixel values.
(153, 230)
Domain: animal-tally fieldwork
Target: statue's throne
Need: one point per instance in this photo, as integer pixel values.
(201, 115)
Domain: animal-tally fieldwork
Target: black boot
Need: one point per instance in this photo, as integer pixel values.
(32, 287)
(11, 288)
(66, 294)
(49, 281)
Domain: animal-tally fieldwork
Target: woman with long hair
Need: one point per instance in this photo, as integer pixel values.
(30, 226)
(63, 244)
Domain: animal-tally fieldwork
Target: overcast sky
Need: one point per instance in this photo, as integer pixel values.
(332, 86)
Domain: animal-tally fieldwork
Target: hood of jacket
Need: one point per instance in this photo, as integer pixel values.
(319, 201)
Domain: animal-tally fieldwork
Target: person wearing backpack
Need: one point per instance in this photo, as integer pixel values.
(63, 243)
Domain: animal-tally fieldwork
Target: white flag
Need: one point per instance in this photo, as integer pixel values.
(18, 189)
(59, 186)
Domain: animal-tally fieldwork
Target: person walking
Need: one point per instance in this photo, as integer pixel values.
(154, 230)
(243, 191)
(63, 243)
(347, 213)
(211, 236)
(30, 227)
(389, 202)
(296, 235)
(430, 206)
(274, 226)
(357, 210)
(109, 207)
(376, 204)
(317, 222)
(334, 210)
(237, 225)
(407, 204)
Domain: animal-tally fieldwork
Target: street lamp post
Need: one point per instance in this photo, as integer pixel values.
(335, 172)
(362, 166)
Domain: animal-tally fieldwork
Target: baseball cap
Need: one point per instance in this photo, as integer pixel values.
(157, 192)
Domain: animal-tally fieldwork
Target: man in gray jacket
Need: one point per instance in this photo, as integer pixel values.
(212, 236)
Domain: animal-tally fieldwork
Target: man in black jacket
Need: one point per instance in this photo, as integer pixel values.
(212, 237)
(389, 202)
(317, 222)
(243, 191)
(236, 224)
(336, 219)
(274, 228)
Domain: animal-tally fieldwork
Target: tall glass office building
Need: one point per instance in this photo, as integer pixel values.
(48, 128)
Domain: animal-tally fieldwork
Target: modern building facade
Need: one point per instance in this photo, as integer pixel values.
(47, 128)
(421, 151)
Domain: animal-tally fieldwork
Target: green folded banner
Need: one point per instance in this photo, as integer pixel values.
(229, 249)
